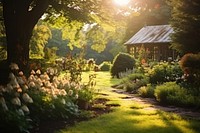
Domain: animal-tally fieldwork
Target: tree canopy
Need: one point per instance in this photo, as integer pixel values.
(186, 24)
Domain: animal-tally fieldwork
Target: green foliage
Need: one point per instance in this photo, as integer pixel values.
(14, 102)
(47, 107)
(185, 40)
(146, 91)
(41, 35)
(87, 93)
(133, 86)
(134, 81)
(190, 64)
(121, 63)
(105, 66)
(73, 32)
(171, 93)
(165, 72)
(50, 53)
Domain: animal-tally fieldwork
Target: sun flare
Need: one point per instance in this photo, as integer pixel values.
(121, 2)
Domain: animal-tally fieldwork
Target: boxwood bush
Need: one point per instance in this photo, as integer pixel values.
(121, 63)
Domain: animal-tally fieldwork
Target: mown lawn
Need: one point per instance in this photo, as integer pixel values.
(130, 116)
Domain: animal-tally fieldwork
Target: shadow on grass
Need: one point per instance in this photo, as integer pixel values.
(136, 121)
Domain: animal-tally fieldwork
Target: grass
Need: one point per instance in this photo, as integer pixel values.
(131, 116)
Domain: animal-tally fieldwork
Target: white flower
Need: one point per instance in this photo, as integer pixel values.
(12, 76)
(9, 87)
(47, 84)
(32, 72)
(31, 78)
(3, 103)
(63, 92)
(50, 71)
(63, 101)
(52, 87)
(76, 96)
(39, 82)
(25, 87)
(14, 66)
(19, 89)
(21, 73)
(16, 101)
(31, 84)
(5, 107)
(20, 81)
(38, 72)
(15, 84)
(46, 77)
(70, 93)
(42, 89)
(21, 112)
(25, 109)
(27, 98)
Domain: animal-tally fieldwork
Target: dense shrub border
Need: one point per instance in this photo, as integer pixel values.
(171, 93)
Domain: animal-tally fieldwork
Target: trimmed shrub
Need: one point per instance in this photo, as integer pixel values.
(190, 64)
(105, 66)
(121, 63)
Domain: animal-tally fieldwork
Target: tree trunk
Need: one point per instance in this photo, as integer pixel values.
(19, 20)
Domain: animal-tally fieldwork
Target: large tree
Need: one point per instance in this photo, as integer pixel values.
(20, 17)
(186, 24)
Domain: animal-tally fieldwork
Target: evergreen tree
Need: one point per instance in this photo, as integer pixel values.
(186, 24)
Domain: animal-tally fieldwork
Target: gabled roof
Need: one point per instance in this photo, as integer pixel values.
(152, 34)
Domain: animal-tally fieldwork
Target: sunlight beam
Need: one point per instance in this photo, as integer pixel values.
(121, 2)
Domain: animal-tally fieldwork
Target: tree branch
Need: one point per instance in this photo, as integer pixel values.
(38, 10)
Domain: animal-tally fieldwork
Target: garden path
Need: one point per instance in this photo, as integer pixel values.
(154, 105)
